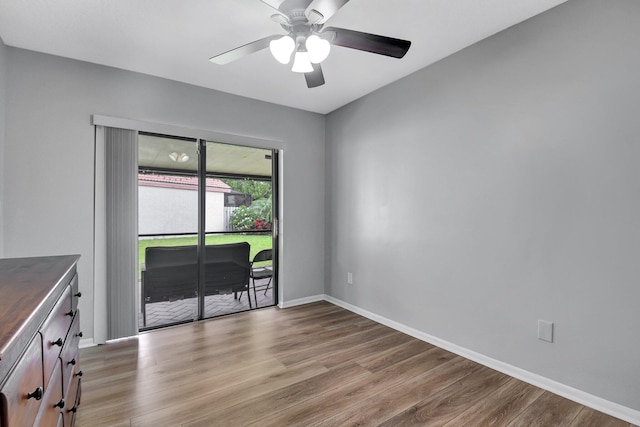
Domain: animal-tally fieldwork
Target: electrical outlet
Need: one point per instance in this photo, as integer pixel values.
(545, 330)
(349, 278)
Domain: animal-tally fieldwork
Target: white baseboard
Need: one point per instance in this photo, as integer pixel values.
(86, 342)
(579, 396)
(301, 301)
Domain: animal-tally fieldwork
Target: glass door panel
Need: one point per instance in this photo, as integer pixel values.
(168, 230)
(239, 215)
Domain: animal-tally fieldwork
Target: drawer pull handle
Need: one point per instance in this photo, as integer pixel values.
(79, 374)
(60, 404)
(79, 334)
(74, 409)
(72, 362)
(69, 313)
(37, 394)
(57, 342)
(79, 295)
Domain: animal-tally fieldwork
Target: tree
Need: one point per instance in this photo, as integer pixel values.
(257, 189)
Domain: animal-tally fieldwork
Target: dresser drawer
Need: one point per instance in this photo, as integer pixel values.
(72, 398)
(54, 332)
(70, 354)
(52, 402)
(24, 388)
(75, 293)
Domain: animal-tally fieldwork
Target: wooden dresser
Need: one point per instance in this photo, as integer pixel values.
(39, 336)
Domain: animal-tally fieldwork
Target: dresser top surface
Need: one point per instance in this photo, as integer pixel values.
(25, 284)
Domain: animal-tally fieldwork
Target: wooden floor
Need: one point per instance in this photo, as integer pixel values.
(315, 364)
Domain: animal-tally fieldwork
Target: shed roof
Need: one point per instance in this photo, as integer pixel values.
(181, 182)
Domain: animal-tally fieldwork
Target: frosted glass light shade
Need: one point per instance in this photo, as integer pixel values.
(302, 63)
(282, 48)
(180, 158)
(318, 48)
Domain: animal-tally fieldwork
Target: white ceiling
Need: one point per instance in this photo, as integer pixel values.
(174, 39)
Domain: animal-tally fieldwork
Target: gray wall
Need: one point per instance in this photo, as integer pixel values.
(3, 73)
(498, 187)
(50, 141)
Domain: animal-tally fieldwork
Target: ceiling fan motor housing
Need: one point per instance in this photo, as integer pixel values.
(287, 7)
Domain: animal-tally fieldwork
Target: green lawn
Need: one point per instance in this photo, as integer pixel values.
(257, 243)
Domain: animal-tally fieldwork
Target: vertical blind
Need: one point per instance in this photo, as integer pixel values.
(121, 152)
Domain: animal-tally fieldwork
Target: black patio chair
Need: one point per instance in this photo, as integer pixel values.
(261, 272)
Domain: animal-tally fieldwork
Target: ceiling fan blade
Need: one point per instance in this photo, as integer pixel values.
(273, 3)
(314, 78)
(321, 10)
(373, 43)
(242, 51)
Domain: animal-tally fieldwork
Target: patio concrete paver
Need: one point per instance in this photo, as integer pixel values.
(164, 313)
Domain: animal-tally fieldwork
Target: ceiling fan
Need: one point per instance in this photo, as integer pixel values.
(309, 42)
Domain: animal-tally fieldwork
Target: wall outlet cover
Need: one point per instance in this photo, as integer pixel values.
(545, 330)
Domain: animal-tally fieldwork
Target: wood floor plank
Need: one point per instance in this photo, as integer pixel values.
(163, 388)
(588, 417)
(387, 340)
(340, 343)
(383, 358)
(316, 364)
(350, 399)
(548, 410)
(500, 407)
(177, 405)
(438, 409)
(378, 408)
(281, 399)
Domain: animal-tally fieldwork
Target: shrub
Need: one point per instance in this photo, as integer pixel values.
(243, 218)
(262, 207)
(254, 217)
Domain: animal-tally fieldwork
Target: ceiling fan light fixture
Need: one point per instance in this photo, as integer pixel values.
(180, 158)
(302, 63)
(282, 48)
(318, 48)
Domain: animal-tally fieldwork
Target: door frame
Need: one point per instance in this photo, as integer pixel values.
(100, 322)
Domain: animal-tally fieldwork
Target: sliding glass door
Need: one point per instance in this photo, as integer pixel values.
(239, 208)
(205, 211)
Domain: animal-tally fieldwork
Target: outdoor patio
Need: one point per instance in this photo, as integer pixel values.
(165, 313)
